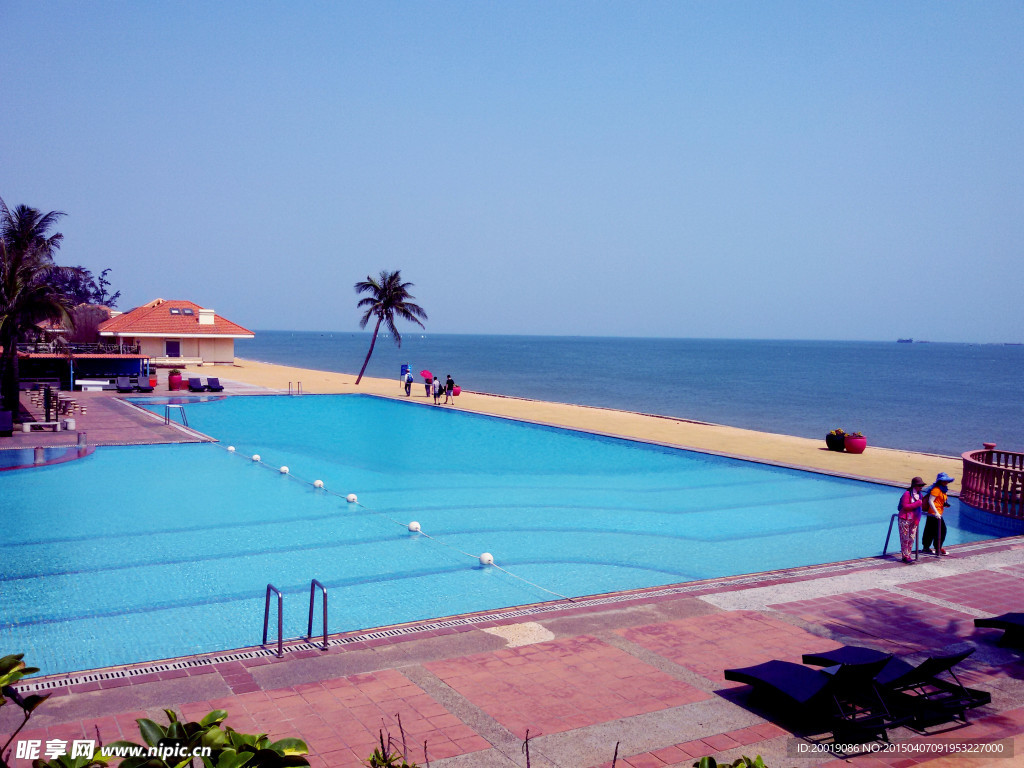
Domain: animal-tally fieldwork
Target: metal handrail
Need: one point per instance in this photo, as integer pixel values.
(312, 597)
(280, 619)
(885, 547)
(297, 390)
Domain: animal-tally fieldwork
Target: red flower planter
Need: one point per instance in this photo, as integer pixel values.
(174, 382)
(855, 444)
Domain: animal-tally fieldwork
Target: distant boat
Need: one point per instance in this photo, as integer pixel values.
(904, 341)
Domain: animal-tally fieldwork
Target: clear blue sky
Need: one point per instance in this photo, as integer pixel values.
(716, 169)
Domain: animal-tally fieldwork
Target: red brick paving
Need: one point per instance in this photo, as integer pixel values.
(989, 591)
(708, 645)
(894, 622)
(562, 684)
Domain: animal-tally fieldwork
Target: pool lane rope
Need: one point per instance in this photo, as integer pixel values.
(485, 558)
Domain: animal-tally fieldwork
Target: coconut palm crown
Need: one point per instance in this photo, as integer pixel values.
(27, 294)
(389, 297)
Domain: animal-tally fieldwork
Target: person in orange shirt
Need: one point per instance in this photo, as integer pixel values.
(935, 503)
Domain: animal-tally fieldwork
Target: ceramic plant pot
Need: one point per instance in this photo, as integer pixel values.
(835, 442)
(855, 444)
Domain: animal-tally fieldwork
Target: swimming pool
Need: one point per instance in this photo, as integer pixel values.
(149, 552)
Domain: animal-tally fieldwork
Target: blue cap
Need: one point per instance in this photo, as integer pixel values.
(942, 477)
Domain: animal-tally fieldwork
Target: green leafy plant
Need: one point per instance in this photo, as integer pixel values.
(228, 748)
(742, 762)
(387, 754)
(174, 372)
(12, 669)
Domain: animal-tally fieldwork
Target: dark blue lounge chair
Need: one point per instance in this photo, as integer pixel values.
(918, 690)
(143, 384)
(1011, 623)
(213, 384)
(843, 700)
(195, 385)
(124, 384)
(6, 423)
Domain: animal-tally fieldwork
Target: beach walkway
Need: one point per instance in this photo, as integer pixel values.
(642, 670)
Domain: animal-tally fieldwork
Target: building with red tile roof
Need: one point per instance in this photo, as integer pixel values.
(176, 332)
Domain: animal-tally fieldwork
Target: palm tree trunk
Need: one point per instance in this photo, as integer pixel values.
(367, 360)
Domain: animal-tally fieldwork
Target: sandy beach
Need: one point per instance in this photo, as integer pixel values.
(880, 464)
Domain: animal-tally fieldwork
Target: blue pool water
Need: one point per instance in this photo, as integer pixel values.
(149, 552)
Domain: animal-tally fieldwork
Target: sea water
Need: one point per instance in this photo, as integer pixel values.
(930, 397)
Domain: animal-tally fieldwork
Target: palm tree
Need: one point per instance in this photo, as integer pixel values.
(389, 296)
(27, 294)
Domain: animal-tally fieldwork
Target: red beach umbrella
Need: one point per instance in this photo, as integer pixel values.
(426, 375)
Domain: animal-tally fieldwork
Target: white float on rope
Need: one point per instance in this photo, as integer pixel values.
(284, 470)
(231, 449)
(414, 527)
(486, 559)
(255, 457)
(351, 498)
(318, 483)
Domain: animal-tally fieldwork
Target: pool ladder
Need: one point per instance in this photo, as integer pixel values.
(280, 615)
(885, 547)
(297, 390)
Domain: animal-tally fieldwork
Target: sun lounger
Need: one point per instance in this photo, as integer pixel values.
(196, 385)
(6, 423)
(144, 385)
(1012, 623)
(914, 689)
(213, 384)
(124, 384)
(921, 692)
(843, 699)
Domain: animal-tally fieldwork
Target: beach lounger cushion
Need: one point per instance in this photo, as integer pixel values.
(143, 384)
(195, 385)
(124, 384)
(213, 384)
(1011, 623)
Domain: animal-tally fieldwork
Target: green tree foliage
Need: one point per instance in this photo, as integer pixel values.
(82, 287)
(28, 294)
(389, 297)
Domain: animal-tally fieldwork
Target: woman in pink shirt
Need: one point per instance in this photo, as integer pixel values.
(910, 516)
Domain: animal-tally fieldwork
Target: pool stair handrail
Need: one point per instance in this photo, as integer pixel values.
(885, 547)
(312, 597)
(297, 390)
(280, 619)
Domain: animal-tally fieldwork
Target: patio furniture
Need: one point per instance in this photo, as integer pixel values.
(195, 385)
(1011, 623)
(213, 384)
(124, 384)
(143, 384)
(921, 692)
(6, 424)
(843, 699)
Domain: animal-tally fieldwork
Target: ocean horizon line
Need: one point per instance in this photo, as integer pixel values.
(425, 334)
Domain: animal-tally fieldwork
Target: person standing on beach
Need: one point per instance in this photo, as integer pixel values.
(934, 505)
(910, 516)
(437, 391)
(449, 385)
(408, 383)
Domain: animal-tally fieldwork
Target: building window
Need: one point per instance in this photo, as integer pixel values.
(172, 347)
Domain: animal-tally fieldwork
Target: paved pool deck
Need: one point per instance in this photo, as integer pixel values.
(642, 670)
